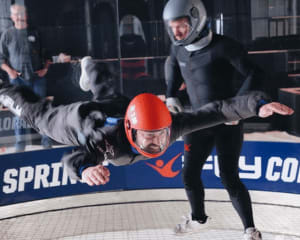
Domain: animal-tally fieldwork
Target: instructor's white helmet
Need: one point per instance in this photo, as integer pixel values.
(194, 10)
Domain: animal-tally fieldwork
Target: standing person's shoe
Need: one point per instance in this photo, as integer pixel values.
(189, 226)
(252, 234)
(84, 81)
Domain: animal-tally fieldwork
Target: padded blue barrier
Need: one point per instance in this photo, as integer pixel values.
(266, 166)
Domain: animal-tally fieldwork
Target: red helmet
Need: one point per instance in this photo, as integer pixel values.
(148, 124)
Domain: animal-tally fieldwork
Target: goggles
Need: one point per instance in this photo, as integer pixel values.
(152, 142)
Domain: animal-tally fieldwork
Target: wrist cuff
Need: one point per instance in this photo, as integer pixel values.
(260, 103)
(82, 168)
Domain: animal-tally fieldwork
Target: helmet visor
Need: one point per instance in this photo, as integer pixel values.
(152, 142)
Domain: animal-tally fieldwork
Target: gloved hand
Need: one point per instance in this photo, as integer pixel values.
(174, 105)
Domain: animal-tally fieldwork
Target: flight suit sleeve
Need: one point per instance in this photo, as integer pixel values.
(173, 75)
(79, 159)
(217, 112)
(252, 75)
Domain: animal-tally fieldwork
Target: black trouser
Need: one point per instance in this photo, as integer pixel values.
(228, 141)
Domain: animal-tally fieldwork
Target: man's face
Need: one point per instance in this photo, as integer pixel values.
(152, 141)
(19, 17)
(180, 28)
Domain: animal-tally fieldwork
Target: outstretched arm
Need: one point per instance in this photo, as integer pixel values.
(218, 112)
(86, 166)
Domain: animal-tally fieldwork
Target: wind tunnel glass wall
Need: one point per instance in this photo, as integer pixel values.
(129, 36)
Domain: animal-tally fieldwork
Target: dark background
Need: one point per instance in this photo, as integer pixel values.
(267, 28)
(91, 27)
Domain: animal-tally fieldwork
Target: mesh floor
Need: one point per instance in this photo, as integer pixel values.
(148, 220)
(166, 234)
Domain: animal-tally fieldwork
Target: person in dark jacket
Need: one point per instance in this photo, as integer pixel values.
(101, 132)
(22, 57)
(208, 64)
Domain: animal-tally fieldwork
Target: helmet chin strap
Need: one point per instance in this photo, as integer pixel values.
(201, 43)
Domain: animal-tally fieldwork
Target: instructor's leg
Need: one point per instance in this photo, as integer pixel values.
(198, 146)
(229, 143)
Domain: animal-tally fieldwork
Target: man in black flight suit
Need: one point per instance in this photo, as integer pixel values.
(207, 63)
